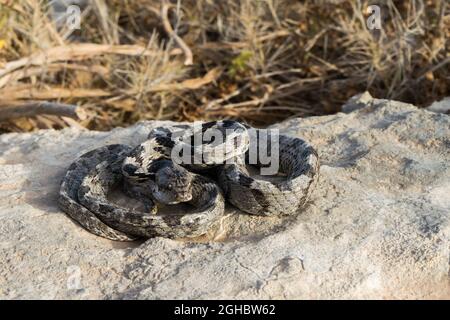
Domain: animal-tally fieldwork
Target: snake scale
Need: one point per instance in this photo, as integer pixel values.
(172, 167)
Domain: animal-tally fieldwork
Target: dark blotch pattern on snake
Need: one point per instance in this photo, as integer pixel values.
(149, 174)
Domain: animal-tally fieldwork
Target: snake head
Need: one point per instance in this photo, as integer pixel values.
(172, 183)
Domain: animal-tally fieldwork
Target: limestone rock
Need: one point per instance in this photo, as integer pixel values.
(377, 225)
(442, 106)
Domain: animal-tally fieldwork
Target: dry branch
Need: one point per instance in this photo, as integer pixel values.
(37, 108)
(189, 84)
(48, 93)
(54, 67)
(74, 52)
(165, 20)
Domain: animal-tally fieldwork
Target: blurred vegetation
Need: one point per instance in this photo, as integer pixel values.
(258, 61)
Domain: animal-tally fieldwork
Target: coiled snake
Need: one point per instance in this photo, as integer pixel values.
(201, 166)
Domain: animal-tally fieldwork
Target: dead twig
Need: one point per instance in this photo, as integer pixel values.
(236, 92)
(80, 51)
(168, 28)
(48, 93)
(37, 108)
(188, 84)
(20, 74)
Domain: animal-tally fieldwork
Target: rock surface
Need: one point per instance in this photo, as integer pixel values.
(377, 225)
(442, 106)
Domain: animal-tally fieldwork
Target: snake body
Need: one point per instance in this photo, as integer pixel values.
(298, 160)
(68, 194)
(150, 173)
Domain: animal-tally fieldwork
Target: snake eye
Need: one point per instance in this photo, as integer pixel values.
(169, 186)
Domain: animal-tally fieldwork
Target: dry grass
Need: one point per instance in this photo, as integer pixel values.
(259, 61)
